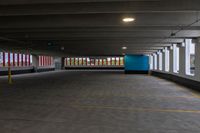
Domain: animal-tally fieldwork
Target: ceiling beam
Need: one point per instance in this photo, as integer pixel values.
(46, 7)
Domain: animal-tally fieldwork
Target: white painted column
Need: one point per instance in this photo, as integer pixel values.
(197, 59)
(182, 62)
(171, 62)
(154, 60)
(150, 62)
(163, 60)
(158, 61)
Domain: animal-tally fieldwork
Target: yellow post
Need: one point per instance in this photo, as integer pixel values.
(9, 76)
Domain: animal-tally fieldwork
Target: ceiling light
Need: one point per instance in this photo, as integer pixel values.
(128, 20)
(124, 48)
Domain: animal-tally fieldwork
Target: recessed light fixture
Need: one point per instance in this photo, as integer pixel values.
(128, 19)
(124, 48)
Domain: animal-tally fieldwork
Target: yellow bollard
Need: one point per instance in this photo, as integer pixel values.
(9, 76)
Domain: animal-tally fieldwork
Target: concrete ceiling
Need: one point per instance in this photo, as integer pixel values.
(95, 27)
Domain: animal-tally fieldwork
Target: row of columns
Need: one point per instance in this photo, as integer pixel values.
(182, 61)
(114, 61)
(38, 64)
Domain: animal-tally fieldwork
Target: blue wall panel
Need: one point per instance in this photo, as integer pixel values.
(136, 63)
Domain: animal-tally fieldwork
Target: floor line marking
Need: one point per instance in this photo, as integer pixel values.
(136, 96)
(136, 109)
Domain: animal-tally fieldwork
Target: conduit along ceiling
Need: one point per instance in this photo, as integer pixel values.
(97, 27)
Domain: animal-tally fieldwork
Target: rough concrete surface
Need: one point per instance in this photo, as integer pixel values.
(96, 102)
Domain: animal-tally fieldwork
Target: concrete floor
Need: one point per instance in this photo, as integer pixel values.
(96, 102)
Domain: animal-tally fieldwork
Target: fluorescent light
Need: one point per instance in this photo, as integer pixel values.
(128, 19)
(124, 48)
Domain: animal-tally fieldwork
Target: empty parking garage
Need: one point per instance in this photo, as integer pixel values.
(99, 66)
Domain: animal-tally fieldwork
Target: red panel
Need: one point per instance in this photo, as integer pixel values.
(90, 62)
(17, 59)
(48, 61)
(22, 59)
(29, 59)
(13, 59)
(43, 61)
(4, 59)
(51, 61)
(8, 59)
(42, 57)
(25, 59)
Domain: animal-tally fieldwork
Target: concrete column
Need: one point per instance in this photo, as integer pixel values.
(163, 60)
(58, 63)
(154, 59)
(63, 62)
(158, 61)
(171, 63)
(197, 59)
(150, 61)
(35, 62)
(182, 63)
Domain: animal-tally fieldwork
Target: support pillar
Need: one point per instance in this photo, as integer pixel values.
(182, 63)
(197, 59)
(154, 61)
(35, 59)
(158, 61)
(163, 60)
(171, 60)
